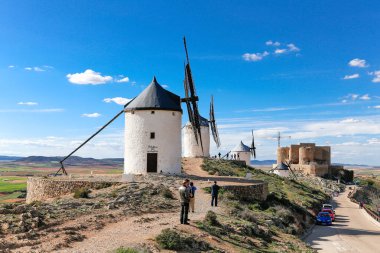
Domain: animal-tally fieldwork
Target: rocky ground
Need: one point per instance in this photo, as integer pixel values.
(28, 227)
(134, 214)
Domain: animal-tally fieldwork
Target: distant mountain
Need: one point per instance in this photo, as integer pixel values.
(73, 160)
(263, 162)
(9, 158)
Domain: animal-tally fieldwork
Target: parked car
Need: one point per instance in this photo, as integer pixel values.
(328, 206)
(323, 218)
(331, 212)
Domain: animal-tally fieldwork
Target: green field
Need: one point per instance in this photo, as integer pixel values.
(12, 184)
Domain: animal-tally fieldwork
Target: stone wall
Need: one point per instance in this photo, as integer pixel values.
(256, 191)
(39, 189)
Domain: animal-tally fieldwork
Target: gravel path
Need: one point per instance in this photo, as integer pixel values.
(142, 229)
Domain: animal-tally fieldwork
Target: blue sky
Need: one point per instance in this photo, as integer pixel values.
(308, 69)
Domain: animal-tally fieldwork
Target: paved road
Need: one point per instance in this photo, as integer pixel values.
(353, 230)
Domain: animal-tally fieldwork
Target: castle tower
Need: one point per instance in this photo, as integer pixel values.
(153, 132)
(241, 152)
(190, 146)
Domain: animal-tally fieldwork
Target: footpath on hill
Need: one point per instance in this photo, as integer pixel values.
(353, 231)
(140, 230)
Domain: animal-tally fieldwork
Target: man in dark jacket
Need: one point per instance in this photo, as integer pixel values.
(214, 194)
(184, 195)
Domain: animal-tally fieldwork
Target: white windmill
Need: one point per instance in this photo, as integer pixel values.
(242, 152)
(153, 128)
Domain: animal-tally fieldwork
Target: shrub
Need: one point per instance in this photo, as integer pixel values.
(169, 239)
(211, 219)
(82, 193)
(129, 250)
(167, 193)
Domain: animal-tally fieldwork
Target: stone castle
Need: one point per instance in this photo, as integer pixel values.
(308, 159)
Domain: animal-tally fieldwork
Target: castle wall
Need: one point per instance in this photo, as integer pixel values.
(294, 154)
(282, 154)
(167, 142)
(306, 153)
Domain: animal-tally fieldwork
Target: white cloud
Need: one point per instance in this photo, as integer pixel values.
(375, 107)
(117, 100)
(271, 43)
(88, 77)
(280, 51)
(376, 79)
(165, 86)
(353, 76)
(293, 47)
(11, 66)
(255, 56)
(123, 80)
(350, 120)
(360, 63)
(27, 103)
(32, 110)
(91, 115)
(36, 69)
(365, 97)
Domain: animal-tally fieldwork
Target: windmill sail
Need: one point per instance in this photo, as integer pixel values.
(191, 100)
(214, 129)
(253, 148)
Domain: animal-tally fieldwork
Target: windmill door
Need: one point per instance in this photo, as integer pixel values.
(152, 162)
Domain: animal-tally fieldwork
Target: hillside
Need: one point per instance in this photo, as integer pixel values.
(73, 160)
(132, 215)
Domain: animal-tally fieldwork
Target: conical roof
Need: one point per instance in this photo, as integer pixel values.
(202, 121)
(155, 97)
(241, 148)
(282, 166)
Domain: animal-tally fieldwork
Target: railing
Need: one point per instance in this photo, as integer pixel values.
(369, 211)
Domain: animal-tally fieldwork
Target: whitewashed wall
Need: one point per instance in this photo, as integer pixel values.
(190, 146)
(167, 142)
(243, 156)
(281, 173)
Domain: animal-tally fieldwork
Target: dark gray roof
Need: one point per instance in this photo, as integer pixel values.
(282, 166)
(154, 97)
(241, 148)
(202, 121)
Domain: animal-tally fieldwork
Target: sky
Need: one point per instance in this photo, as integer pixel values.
(309, 69)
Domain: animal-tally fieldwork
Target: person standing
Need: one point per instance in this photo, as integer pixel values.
(214, 194)
(192, 196)
(184, 194)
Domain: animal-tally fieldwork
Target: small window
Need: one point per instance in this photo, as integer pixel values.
(152, 112)
(133, 112)
(152, 135)
(173, 113)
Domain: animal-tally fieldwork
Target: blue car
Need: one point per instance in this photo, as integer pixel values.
(323, 218)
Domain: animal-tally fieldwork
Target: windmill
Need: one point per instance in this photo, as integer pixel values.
(153, 128)
(243, 152)
(196, 132)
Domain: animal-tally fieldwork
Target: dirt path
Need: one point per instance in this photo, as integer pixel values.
(353, 231)
(134, 231)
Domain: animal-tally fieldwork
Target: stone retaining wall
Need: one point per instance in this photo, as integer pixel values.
(256, 191)
(39, 189)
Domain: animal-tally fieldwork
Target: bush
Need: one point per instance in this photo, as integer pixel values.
(211, 219)
(82, 193)
(167, 193)
(169, 239)
(172, 240)
(129, 250)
